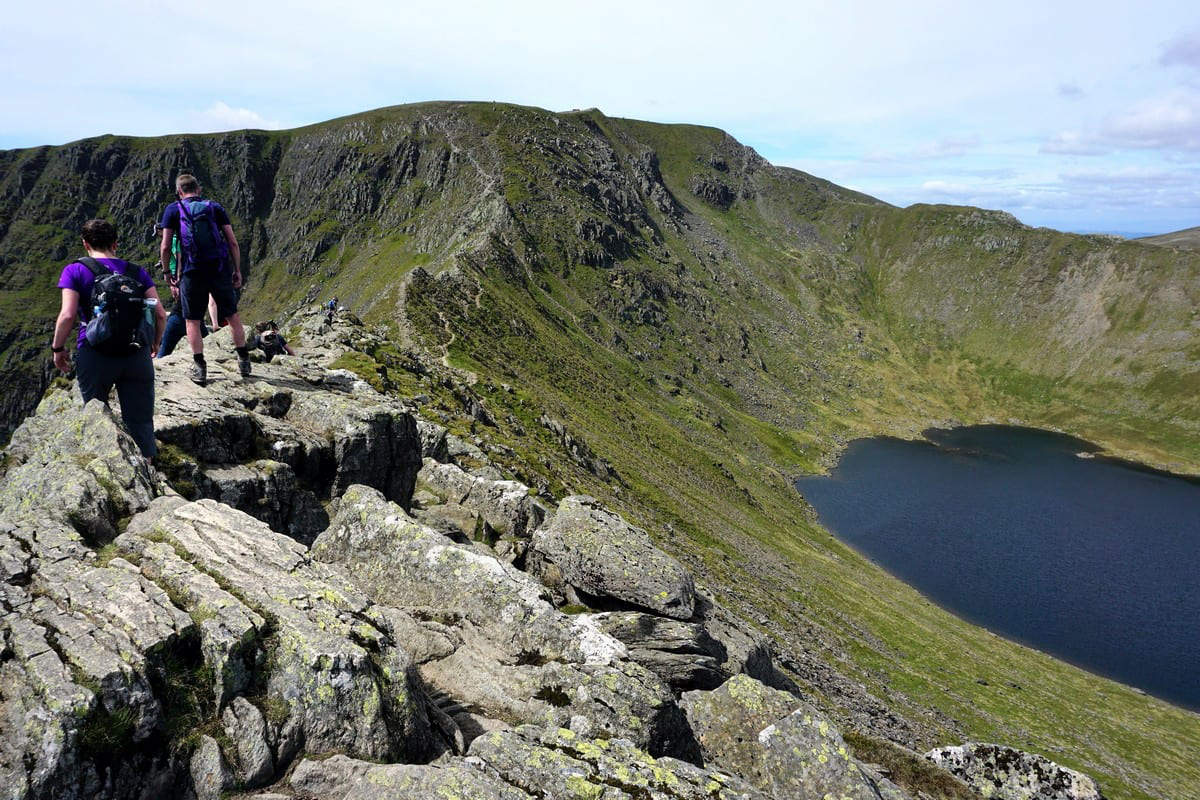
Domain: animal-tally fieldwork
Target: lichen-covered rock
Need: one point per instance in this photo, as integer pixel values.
(247, 729)
(505, 507)
(778, 743)
(727, 721)
(1005, 773)
(511, 656)
(328, 432)
(342, 778)
(681, 653)
(597, 552)
(333, 679)
(74, 464)
(556, 762)
(433, 440)
(209, 771)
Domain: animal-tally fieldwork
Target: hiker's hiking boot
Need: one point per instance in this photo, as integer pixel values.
(198, 373)
(244, 366)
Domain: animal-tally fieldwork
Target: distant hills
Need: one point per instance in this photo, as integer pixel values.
(1188, 238)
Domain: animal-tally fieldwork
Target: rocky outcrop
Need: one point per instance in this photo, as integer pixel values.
(578, 450)
(278, 445)
(503, 650)
(586, 548)
(1005, 773)
(495, 508)
(274, 625)
(712, 191)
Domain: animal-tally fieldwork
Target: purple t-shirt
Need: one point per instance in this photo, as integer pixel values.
(170, 219)
(78, 277)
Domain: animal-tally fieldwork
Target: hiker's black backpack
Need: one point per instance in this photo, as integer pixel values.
(120, 325)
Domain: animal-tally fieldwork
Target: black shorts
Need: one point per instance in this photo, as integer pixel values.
(197, 284)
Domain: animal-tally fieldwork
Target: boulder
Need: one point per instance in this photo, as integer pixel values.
(594, 551)
(505, 508)
(681, 653)
(247, 729)
(75, 465)
(209, 771)
(433, 440)
(1005, 773)
(778, 743)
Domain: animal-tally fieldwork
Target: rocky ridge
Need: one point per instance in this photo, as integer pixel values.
(276, 596)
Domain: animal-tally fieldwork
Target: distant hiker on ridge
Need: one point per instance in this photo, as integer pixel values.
(211, 265)
(123, 324)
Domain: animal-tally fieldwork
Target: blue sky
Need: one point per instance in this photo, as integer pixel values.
(1077, 115)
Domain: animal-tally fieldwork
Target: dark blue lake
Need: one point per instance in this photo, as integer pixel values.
(1093, 560)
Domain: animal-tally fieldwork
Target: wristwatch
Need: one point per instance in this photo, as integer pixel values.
(54, 349)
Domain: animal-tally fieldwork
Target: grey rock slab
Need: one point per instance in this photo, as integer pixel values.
(74, 464)
(681, 653)
(727, 720)
(342, 778)
(555, 762)
(1005, 773)
(433, 440)
(599, 553)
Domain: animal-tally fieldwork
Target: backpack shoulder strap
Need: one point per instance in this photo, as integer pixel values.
(95, 267)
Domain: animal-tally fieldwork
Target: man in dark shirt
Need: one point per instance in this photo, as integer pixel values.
(210, 265)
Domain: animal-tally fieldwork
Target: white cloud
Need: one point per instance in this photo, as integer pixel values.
(1073, 143)
(1170, 121)
(220, 116)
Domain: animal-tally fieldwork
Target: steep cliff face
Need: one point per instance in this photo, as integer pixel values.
(656, 317)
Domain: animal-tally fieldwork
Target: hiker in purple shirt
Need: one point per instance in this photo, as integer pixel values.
(211, 264)
(98, 366)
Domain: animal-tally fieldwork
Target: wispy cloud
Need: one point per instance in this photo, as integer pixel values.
(1074, 143)
(221, 116)
(1183, 50)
